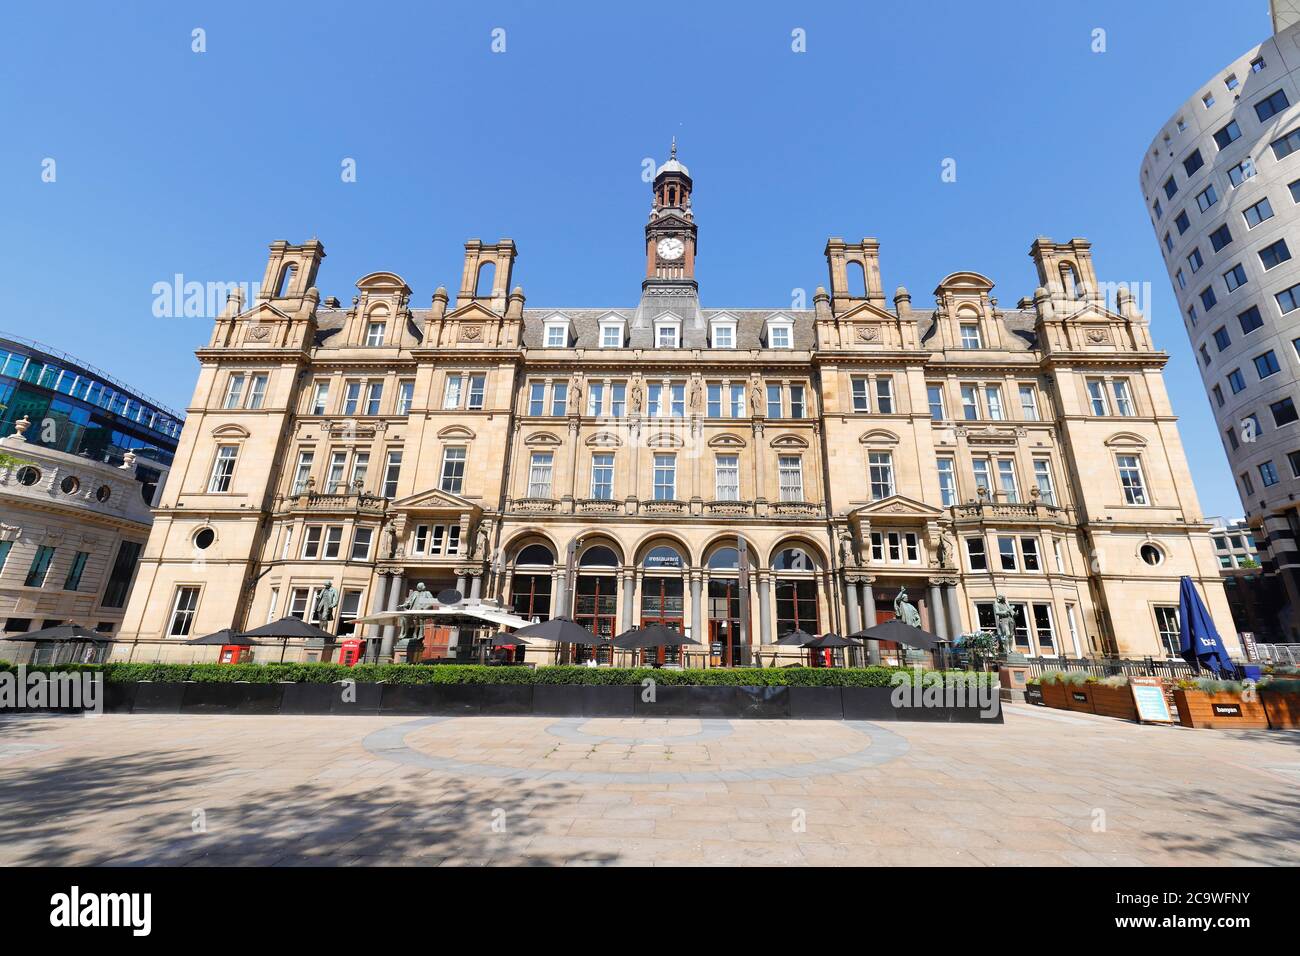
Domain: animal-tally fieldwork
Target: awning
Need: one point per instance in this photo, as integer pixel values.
(472, 611)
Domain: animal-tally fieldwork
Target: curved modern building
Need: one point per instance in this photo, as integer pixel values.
(1222, 185)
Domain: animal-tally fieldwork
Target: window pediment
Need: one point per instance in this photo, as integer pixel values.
(542, 440)
(455, 431)
(879, 436)
(726, 440)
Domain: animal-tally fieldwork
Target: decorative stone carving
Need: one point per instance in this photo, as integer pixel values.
(868, 333)
(1098, 336)
(259, 333)
(471, 333)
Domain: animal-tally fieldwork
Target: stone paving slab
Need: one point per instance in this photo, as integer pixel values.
(1043, 789)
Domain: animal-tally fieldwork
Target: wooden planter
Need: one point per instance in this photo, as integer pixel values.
(1110, 701)
(1079, 697)
(1054, 695)
(1219, 711)
(1283, 710)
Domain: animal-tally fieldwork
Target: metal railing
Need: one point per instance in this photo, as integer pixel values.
(1113, 666)
(1278, 654)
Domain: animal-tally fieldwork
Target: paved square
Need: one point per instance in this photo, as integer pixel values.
(1045, 788)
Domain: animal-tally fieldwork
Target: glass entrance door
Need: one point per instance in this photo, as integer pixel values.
(595, 607)
(725, 648)
(662, 603)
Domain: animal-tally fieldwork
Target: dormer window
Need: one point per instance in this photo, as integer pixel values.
(611, 334)
(556, 332)
(668, 332)
(970, 336)
(722, 333)
(780, 333)
(375, 333)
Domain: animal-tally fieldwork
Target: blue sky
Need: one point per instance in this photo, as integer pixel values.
(170, 161)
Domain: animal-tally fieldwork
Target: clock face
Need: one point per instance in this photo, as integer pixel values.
(671, 248)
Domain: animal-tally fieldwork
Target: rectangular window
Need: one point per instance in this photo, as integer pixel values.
(724, 336)
(1007, 480)
(976, 555)
(947, 482)
(1274, 254)
(1029, 554)
(934, 394)
(774, 401)
(5, 548)
(405, 396)
(1268, 474)
(790, 470)
(1043, 628)
(1257, 65)
(1206, 198)
(713, 407)
(799, 407)
(1288, 299)
(1286, 145)
(392, 471)
(537, 399)
(351, 398)
(234, 389)
(881, 467)
(611, 336)
(39, 567)
(334, 483)
(1250, 320)
(374, 396)
(223, 469)
(602, 477)
(559, 399)
(617, 398)
(1043, 479)
(311, 541)
(678, 392)
(119, 579)
(1235, 278)
(539, 474)
(1271, 105)
(970, 406)
(666, 337)
(477, 388)
(1123, 401)
(361, 538)
(970, 336)
(727, 478)
(1227, 134)
(453, 470)
(1284, 412)
(885, 395)
(665, 477)
(983, 474)
(1260, 212)
(73, 580)
(1182, 222)
(595, 398)
(737, 401)
(375, 333)
(861, 400)
(1007, 553)
(1221, 339)
(451, 391)
(1097, 397)
(1236, 381)
(320, 398)
(1171, 188)
(257, 391)
(1194, 261)
(1220, 238)
(993, 400)
(360, 465)
(1193, 162)
(1028, 403)
(302, 471)
(1247, 484)
(1130, 478)
(333, 541)
(557, 336)
(1266, 364)
(184, 605)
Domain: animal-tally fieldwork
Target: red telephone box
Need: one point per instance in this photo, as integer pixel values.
(350, 652)
(233, 654)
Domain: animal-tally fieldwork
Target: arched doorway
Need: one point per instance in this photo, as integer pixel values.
(796, 569)
(531, 585)
(595, 599)
(663, 598)
(727, 626)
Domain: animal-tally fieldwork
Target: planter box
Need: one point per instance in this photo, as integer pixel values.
(687, 701)
(505, 699)
(366, 699)
(1219, 711)
(119, 698)
(1079, 697)
(761, 703)
(585, 700)
(816, 703)
(231, 698)
(1110, 701)
(1034, 694)
(410, 700)
(158, 697)
(1054, 695)
(872, 703)
(1283, 710)
(308, 698)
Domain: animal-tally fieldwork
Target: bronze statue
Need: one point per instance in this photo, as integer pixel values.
(906, 611)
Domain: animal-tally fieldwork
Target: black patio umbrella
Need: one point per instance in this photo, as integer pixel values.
(797, 638)
(226, 638)
(831, 640)
(900, 633)
(562, 631)
(289, 627)
(505, 639)
(652, 635)
(63, 633)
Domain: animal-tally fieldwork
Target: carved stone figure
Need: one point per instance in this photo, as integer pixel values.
(905, 611)
(575, 393)
(696, 395)
(326, 601)
(947, 550)
(756, 398)
(636, 397)
(480, 542)
(1004, 615)
(390, 542)
(848, 553)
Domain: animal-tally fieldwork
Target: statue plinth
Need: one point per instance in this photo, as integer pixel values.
(1013, 671)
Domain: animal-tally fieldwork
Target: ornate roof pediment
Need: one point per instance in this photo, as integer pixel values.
(897, 506)
(435, 500)
(866, 312)
(264, 312)
(473, 311)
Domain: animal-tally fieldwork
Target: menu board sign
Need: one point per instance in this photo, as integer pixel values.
(1149, 697)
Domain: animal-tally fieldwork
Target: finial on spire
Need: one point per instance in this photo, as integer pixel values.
(674, 149)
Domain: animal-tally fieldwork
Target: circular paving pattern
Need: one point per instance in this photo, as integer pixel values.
(881, 746)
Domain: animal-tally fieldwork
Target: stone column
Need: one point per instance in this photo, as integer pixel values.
(462, 582)
(764, 610)
(851, 604)
(938, 624)
(390, 630)
(629, 598)
(560, 600)
(476, 586)
(869, 613)
(954, 609)
(697, 611)
(377, 604)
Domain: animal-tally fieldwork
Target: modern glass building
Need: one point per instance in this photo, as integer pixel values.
(76, 408)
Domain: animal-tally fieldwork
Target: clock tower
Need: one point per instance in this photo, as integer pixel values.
(670, 234)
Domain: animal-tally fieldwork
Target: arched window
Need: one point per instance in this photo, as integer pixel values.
(662, 558)
(724, 559)
(793, 559)
(1070, 281)
(598, 556)
(286, 280)
(486, 278)
(538, 555)
(857, 280)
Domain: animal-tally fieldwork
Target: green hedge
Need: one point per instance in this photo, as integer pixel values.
(479, 674)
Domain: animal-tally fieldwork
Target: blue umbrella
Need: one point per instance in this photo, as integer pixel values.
(1198, 639)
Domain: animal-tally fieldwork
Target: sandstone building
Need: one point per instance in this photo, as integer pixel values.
(738, 472)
